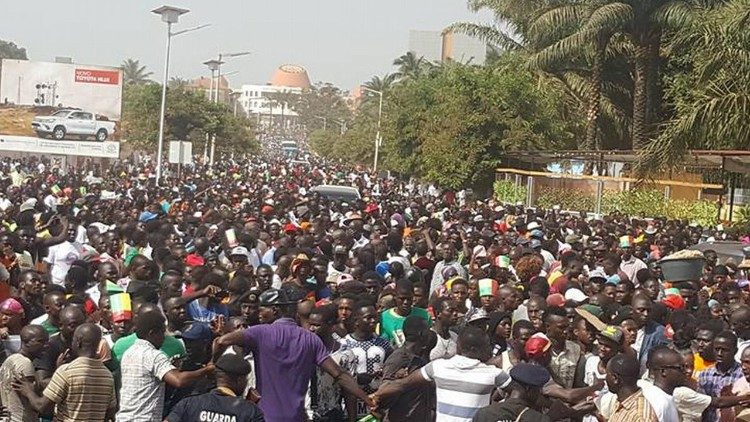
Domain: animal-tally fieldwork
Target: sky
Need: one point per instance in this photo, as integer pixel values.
(345, 42)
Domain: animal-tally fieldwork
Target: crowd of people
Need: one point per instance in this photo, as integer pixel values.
(238, 293)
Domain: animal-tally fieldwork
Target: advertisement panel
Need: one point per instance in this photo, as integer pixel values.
(60, 101)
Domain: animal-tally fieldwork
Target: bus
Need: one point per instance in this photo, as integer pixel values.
(289, 148)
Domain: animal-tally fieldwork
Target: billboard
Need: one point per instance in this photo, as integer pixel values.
(60, 101)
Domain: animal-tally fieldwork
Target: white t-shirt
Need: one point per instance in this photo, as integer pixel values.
(60, 257)
(690, 403)
(590, 375)
(463, 386)
(445, 347)
(663, 403)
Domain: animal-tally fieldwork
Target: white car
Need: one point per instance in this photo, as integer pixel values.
(73, 123)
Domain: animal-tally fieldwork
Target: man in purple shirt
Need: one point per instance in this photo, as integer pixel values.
(285, 357)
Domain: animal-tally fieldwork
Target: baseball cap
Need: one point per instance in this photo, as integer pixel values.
(198, 331)
(598, 273)
(575, 295)
(240, 251)
(674, 302)
(530, 374)
(556, 300)
(614, 279)
(233, 364)
(278, 297)
(537, 345)
(612, 333)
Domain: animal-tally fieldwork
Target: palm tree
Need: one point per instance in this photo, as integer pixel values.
(643, 24)
(409, 65)
(712, 106)
(134, 73)
(584, 43)
(381, 84)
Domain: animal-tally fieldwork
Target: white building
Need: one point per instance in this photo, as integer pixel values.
(266, 102)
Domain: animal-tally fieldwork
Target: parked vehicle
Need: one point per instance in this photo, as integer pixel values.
(70, 122)
(337, 193)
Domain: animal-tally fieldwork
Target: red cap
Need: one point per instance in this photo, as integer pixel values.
(266, 210)
(536, 345)
(556, 300)
(194, 260)
(371, 208)
(290, 228)
(674, 302)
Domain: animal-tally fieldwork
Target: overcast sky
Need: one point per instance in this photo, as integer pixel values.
(339, 41)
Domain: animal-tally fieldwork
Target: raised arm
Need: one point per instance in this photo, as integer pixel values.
(181, 379)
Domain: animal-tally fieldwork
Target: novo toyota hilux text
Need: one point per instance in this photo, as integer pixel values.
(72, 123)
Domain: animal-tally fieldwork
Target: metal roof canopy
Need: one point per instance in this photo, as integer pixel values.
(732, 161)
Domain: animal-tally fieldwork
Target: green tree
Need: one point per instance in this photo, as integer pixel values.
(381, 84)
(189, 117)
(452, 127)
(410, 66)
(9, 50)
(711, 99)
(322, 101)
(134, 73)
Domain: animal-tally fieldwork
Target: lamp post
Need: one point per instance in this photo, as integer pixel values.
(377, 136)
(213, 66)
(219, 62)
(170, 15)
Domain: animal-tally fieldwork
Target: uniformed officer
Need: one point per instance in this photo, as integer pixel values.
(525, 388)
(225, 403)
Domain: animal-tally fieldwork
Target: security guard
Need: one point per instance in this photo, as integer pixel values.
(525, 388)
(225, 403)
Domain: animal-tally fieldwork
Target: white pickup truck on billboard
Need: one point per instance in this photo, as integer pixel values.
(73, 123)
(60, 101)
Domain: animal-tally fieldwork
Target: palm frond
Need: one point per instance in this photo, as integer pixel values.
(611, 16)
(674, 14)
(488, 34)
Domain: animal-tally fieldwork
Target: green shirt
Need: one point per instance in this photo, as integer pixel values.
(391, 324)
(171, 347)
(48, 327)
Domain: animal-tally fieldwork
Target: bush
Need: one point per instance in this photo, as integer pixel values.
(507, 191)
(637, 203)
(567, 199)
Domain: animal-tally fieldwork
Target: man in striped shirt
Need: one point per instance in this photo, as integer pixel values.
(82, 390)
(463, 383)
(622, 378)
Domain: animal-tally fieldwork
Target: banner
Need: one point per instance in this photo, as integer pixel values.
(60, 101)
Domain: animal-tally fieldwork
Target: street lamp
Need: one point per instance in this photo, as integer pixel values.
(169, 15)
(213, 65)
(219, 62)
(377, 136)
(225, 56)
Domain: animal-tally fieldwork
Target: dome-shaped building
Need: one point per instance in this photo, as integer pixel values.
(290, 75)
